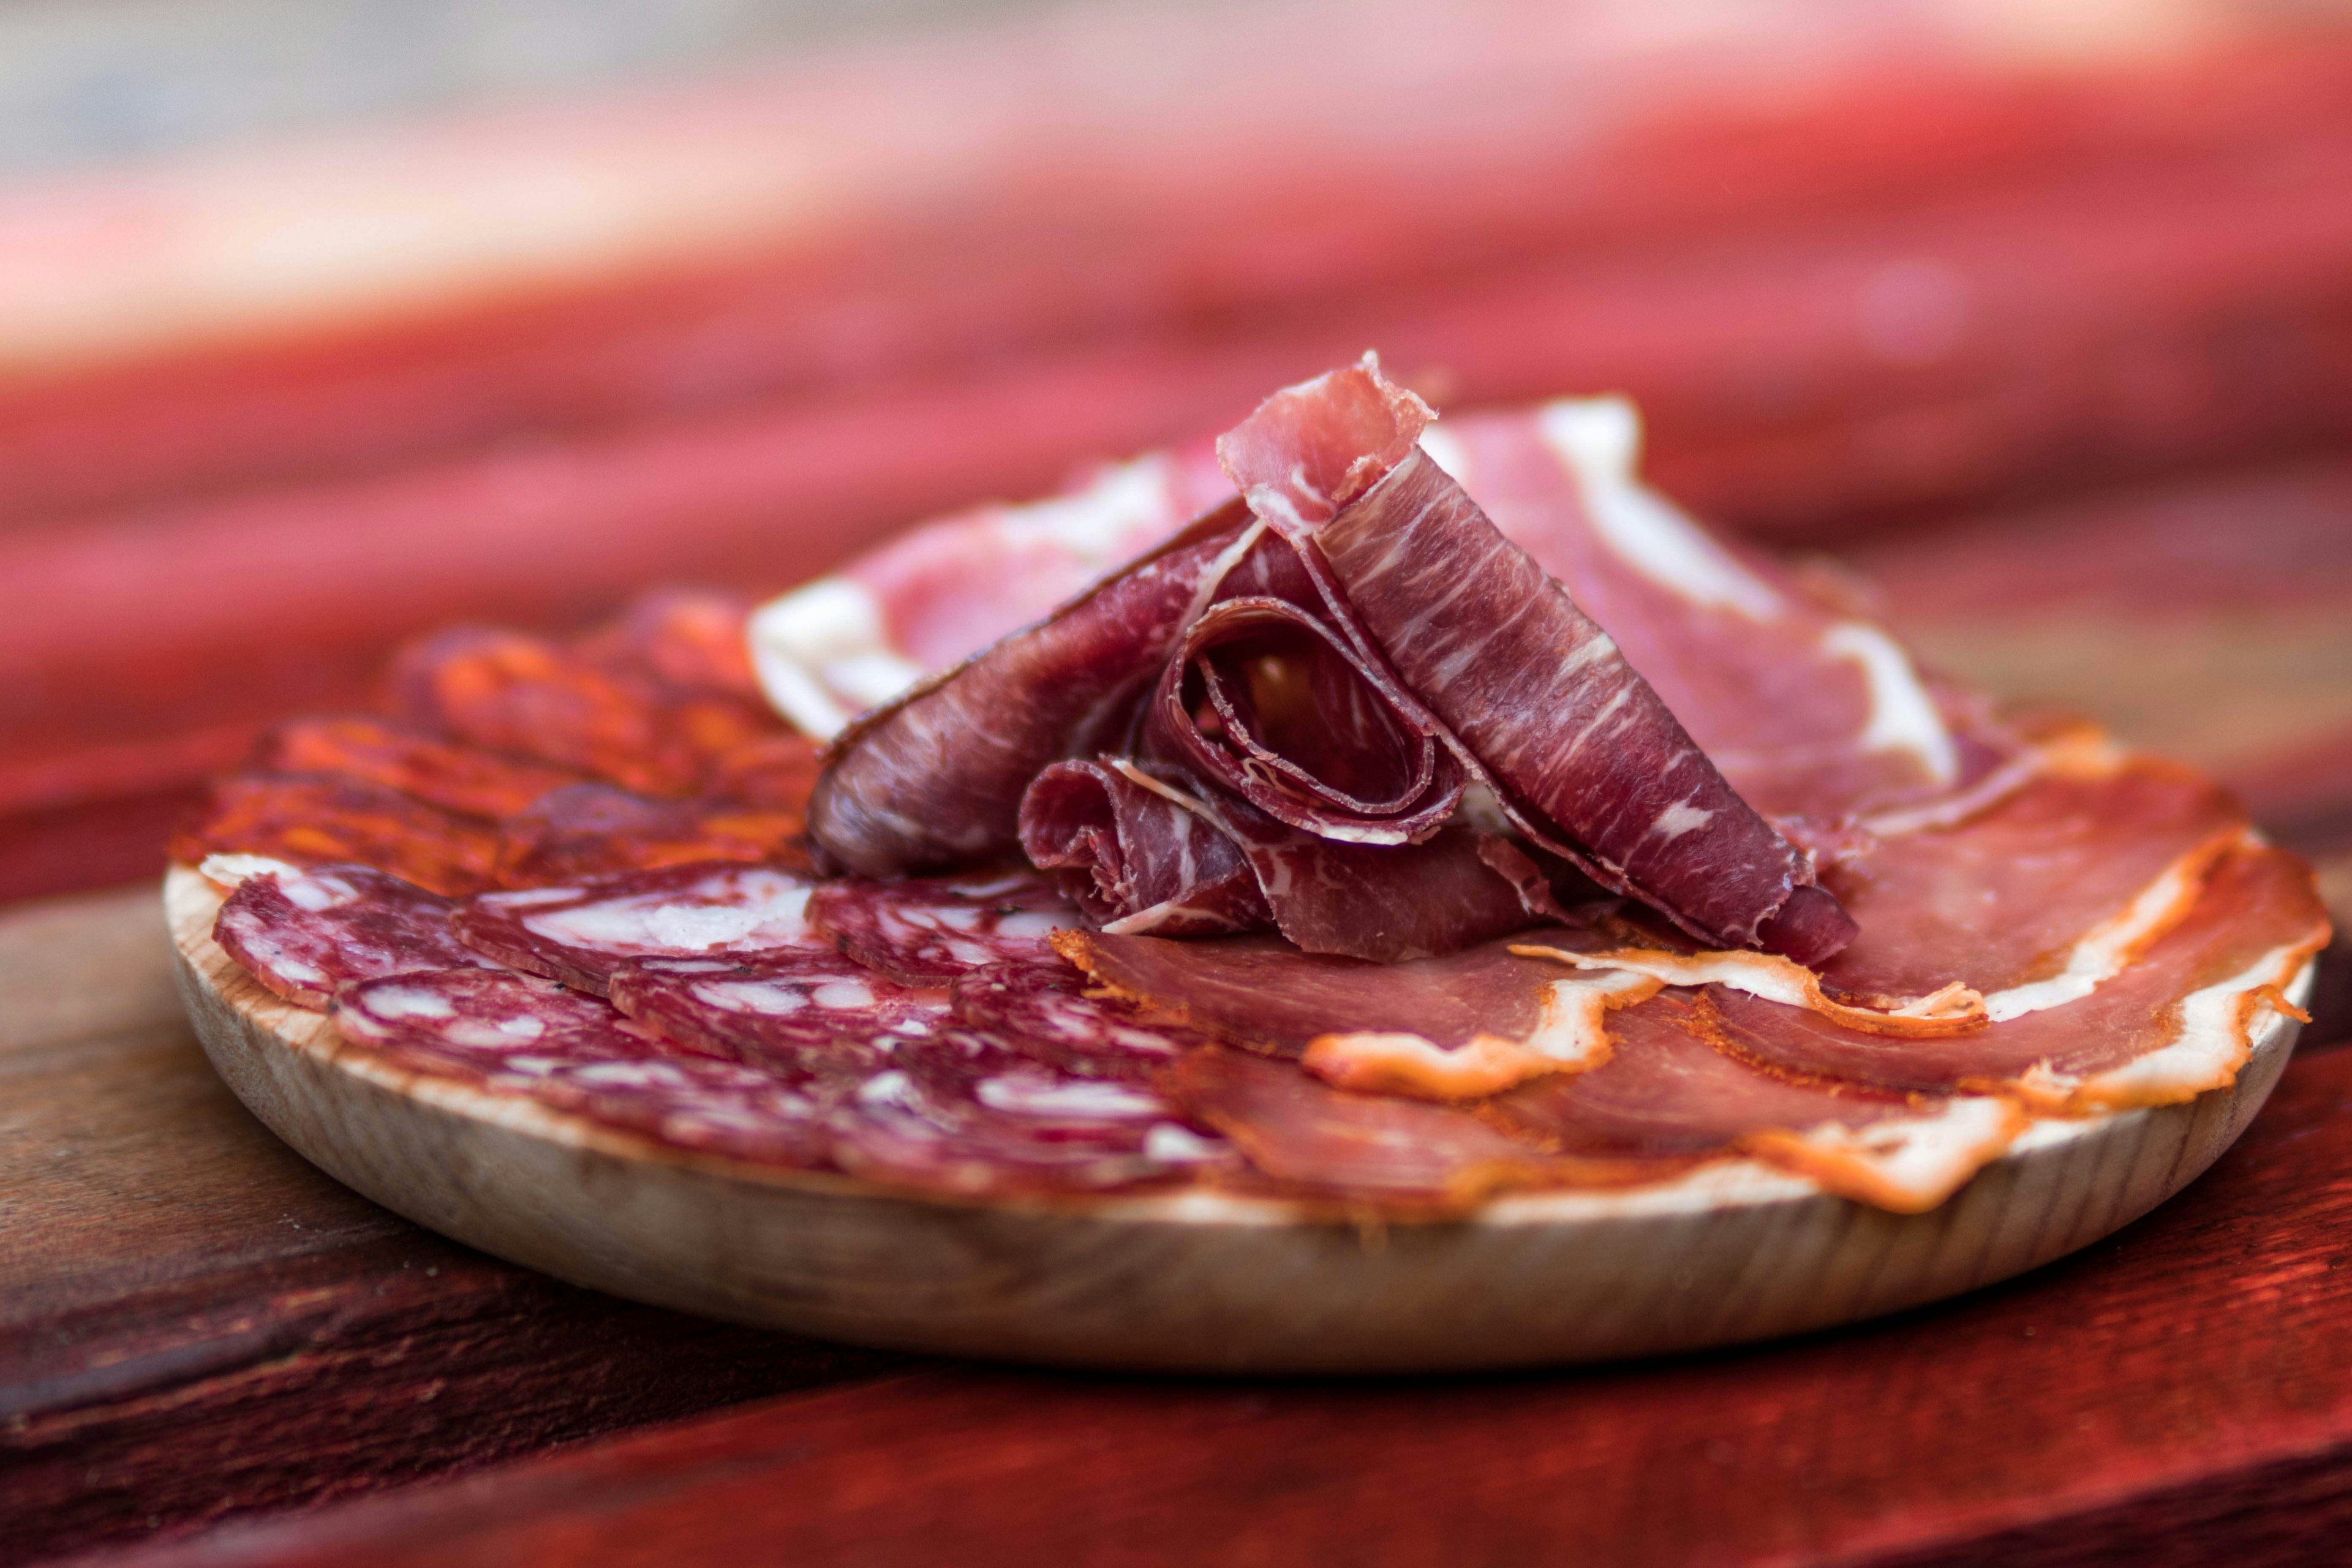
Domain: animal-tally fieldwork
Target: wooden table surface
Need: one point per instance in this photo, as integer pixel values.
(2118, 481)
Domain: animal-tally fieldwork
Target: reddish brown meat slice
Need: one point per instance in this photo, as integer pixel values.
(927, 931)
(1330, 1141)
(413, 760)
(2254, 925)
(1588, 760)
(322, 819)
(1117, 841)
(2004, 898)
(1261, 993)
(934, 779)
(516, 1035)
(304, 935)
(579, 935)
(966, 1113)
(598, 830)
(806, 1010)
(1050, 1012)
(690, 638)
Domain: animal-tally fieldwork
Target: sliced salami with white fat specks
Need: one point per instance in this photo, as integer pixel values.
(928, 930)
(305, 934)
(580, 935)
(802, 1009)
(519, 1033)
(1047, 1011)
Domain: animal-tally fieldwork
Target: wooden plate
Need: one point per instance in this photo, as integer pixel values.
(1197, 1282)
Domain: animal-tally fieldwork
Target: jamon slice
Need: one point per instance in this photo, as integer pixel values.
(519, 1034)
(2175, 1022)
(1588, 760)
(1669, 1092)
(933, 781)
(306, 934)
(1309, 1135)
(1807, 704)
(1470, 1024)
(413, 760)
(1048, 1011)
(830, 650)
(802, 1009)
(587, 830)
(580, 935)
(1135, 855)
(926, 932)
(322, 819)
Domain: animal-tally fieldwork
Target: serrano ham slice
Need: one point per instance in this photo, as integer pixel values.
(580, 935)
(1586, 758)
(1808, 707)
(307, 934)
(2174, 1023)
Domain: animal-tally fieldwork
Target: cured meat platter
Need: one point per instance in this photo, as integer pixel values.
(1381, 896)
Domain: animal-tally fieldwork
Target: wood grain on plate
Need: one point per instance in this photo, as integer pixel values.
(2178, 1395)
(194, 1323)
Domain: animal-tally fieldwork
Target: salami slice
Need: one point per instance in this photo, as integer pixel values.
(1050, 1012)
(520, 1035)
(926, 932)
(598, 830)
(802, 1009)
(966, 1114)
(306, 934)
(688, 638)
(320, 819)
(579, 935)
(413, 760)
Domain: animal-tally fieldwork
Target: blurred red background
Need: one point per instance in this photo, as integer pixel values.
(2042, 313)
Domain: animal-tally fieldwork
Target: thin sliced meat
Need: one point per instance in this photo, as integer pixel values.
(515, 1033)
(2175, 1023)
(509, 691)
(934, 779)
(580, 935)
(599, 830)
(2109, 859)
(1119, 843)
(966, 1114)
(689, 638)
(1470, 1024)
(835, 647)
(1050, 1012)
(1807, 705)
(306, 934)
(414, 761)
(1589, 759)
(809, 1010)
(1669, 1092)
(323, 819)
(1358, 1147)
(927, 931)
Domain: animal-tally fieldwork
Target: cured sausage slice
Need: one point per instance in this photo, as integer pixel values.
(588, 830)
(317, 820)
(1050, 1012)
(808, 1010)
(518, 1034)
(414, 761)
(926, 932)
(579, 935)
(306, 934)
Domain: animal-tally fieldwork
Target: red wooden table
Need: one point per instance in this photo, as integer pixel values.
(2061, 359)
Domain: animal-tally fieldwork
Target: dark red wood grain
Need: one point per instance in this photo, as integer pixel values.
(2179, 1393)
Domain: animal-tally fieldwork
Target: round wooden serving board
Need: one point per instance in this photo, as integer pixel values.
(1197, 1281)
